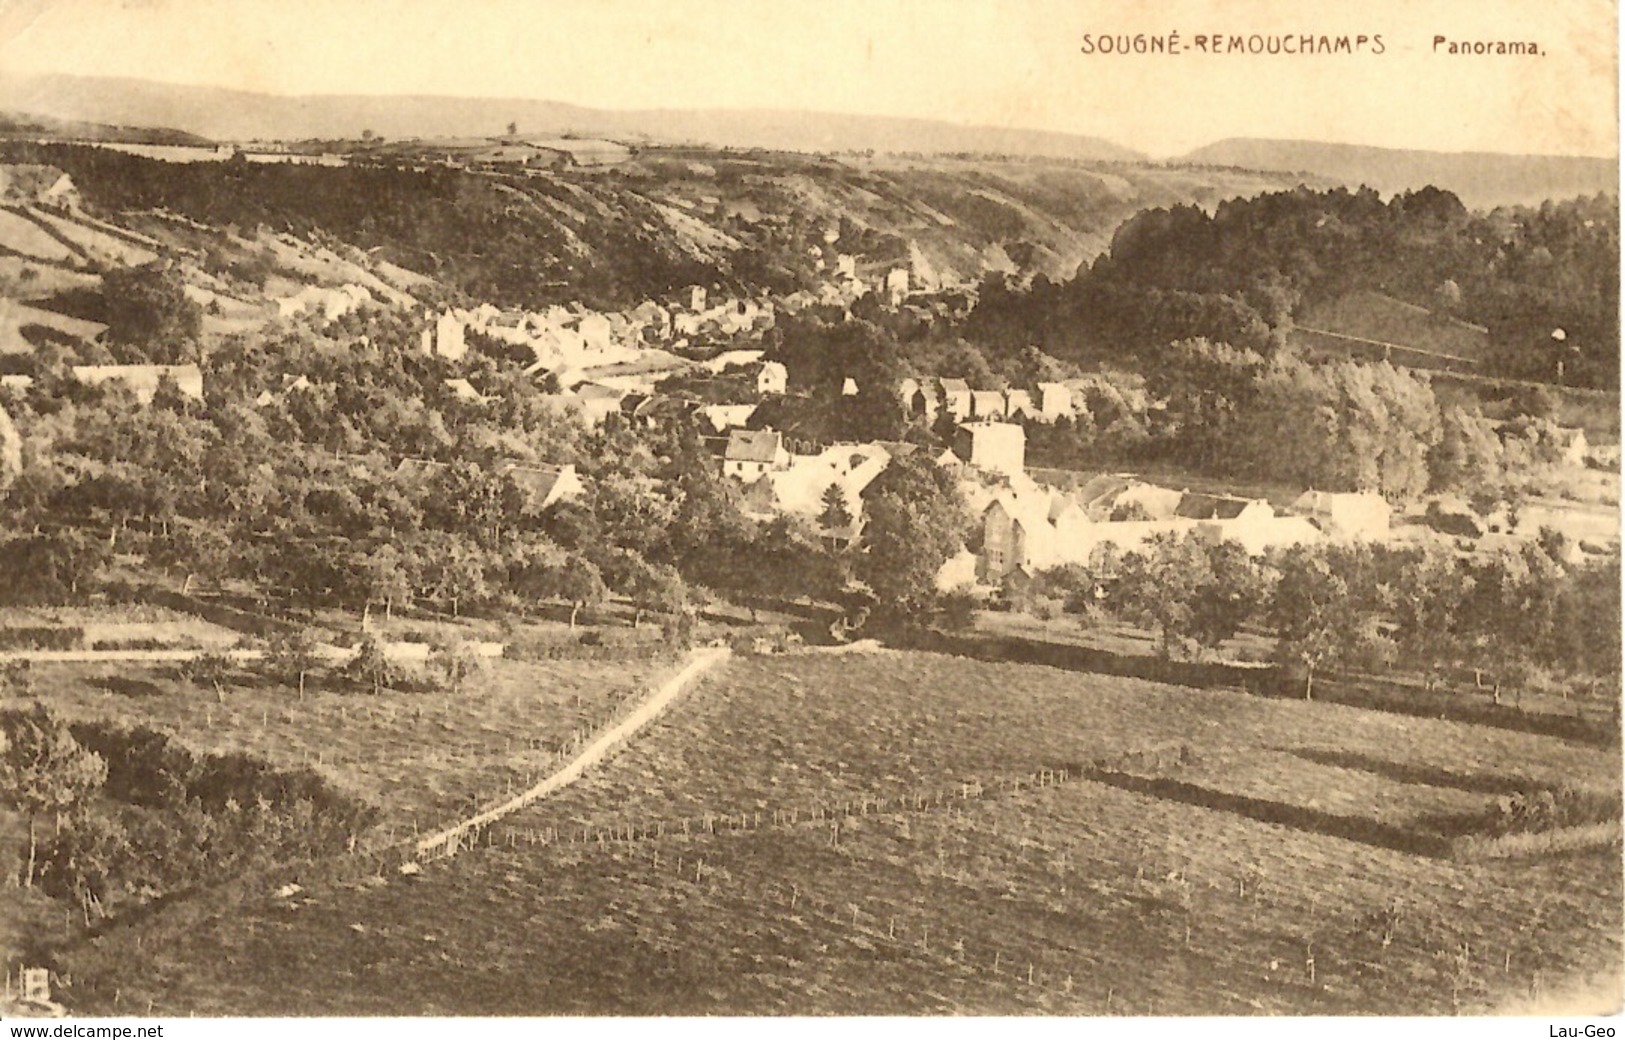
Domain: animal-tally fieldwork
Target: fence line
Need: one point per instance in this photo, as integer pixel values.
(832, 812)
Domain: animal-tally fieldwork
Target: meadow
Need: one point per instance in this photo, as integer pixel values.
(422, 757)
(1259, 856)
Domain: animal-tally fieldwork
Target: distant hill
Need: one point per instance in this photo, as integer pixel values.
(29, 125)
(671, 218)
(1482, 180)
(238, 115)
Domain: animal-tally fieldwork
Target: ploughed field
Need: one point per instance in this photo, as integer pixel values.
(990, 838)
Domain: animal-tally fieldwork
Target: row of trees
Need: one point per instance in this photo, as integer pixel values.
(1503, 616)
(1340, 426)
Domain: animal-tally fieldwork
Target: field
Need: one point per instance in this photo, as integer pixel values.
(421, 757)
(1372, 326)
(1253, 860)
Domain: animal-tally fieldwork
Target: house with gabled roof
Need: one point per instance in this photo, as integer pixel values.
(956, 399)
(463, 390)
(1054, 401)
(987, 404)
(772, 379)
(752, 454)
(721, 418)
(289, 384)
(545, 486)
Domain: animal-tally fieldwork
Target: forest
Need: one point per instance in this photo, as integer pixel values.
(1242, 274)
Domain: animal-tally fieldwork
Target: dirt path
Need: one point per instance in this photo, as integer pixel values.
(446, 842)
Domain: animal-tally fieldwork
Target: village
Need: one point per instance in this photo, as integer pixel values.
(600, 365)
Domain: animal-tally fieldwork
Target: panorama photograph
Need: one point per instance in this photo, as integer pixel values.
(959, 508)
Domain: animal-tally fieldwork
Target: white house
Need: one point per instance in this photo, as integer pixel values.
(445, 337)
(1054, 400)
(1357, 516)
(751, 454)
(997, 447)
(772, 379)
(956, 398)
(724, 417)
(987, 404)
(800, 486)
(897, 285)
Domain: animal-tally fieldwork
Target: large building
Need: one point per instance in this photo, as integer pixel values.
(998, 447)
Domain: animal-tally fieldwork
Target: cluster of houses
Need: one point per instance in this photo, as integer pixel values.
(1046, 402)
(1026, 526)
(564, 339)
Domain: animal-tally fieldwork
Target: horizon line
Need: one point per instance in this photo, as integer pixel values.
(1143, 154)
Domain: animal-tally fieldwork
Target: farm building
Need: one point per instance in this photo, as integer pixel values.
(800, 486)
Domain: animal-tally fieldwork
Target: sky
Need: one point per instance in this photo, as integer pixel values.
(988, 62)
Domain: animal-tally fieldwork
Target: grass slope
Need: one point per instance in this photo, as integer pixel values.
(1080, 897)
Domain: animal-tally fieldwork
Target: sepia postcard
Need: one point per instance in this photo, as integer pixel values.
(692, 509)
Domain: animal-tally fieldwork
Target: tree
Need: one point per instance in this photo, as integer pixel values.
(916, 520)
(1510, 620)
(1234, 594)
(197, 549)
(1469, 457)
(835, 515)
(43, 769)
(147, 311)
(1429, 592)
(212, 669)
(577, 581)
(385, 578)
(372, 667)
(657, 588)
(1157, 588)
(11, 452)
(83, 860)
(292, 656)
(455, 572)
(1320, 617)
(457, 662)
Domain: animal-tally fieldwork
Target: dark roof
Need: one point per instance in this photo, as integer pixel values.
(535, 481)
(753, 446)
(1193, 506)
